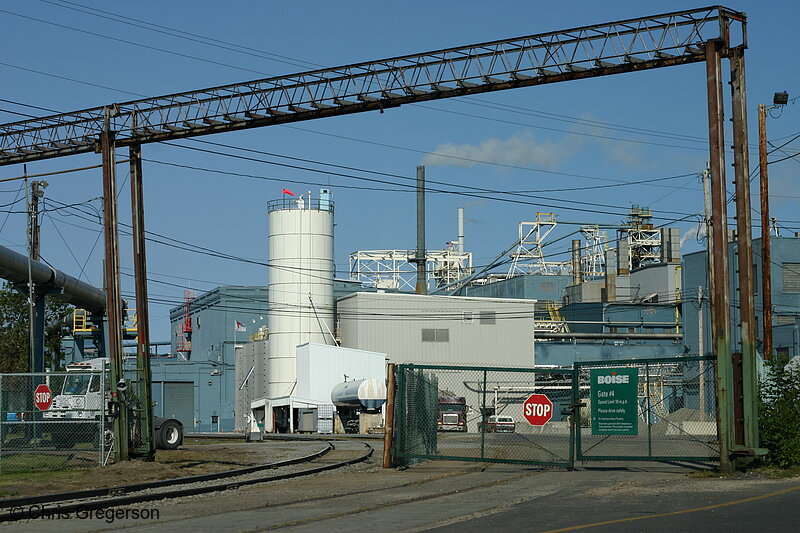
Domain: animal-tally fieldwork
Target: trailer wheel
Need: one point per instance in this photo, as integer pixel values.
(169, 436)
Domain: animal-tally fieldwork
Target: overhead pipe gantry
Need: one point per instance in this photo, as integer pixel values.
(669, 39)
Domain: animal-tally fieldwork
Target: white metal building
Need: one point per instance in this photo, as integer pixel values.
(412, 328)
(319, 368)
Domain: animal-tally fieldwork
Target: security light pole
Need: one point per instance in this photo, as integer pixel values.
(766, 262)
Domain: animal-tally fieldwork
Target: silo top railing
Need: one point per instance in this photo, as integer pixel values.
(300, 202)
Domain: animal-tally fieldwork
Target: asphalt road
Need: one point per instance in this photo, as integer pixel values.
(717, 505)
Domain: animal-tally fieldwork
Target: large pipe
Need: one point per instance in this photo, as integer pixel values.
(14, 268)
(599, 336)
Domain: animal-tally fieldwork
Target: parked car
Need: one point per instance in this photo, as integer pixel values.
(500, 424)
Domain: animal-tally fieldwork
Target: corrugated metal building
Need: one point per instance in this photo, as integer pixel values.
(213, 316)
(412, 328)
(533, 287)
(198, 393)
(785, 256)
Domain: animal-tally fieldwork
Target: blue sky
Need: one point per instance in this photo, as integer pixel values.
(567, 135)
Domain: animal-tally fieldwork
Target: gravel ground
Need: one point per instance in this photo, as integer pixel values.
(189, 460)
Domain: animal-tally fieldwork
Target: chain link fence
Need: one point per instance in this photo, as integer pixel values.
(479, 413)
(52, 421)
(140, 420)
(659, 409)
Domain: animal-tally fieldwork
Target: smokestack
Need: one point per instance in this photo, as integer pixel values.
(422, 287)
(577, 278)
(460, 229)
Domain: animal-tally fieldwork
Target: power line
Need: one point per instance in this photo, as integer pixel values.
(66, 78)
(202, 39)
(437, 190)
(133, 43)
(620, 183)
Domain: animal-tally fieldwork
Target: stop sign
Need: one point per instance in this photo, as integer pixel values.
(537, 409)
(42, 397)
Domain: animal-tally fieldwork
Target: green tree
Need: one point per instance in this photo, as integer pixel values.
(779, 413)
(15, 336)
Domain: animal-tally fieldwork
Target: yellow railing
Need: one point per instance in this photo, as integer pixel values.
(81, 323)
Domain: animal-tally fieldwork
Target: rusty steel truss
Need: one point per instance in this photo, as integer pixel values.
(629, 45)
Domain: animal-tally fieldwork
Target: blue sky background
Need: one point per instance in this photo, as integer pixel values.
(566, 135)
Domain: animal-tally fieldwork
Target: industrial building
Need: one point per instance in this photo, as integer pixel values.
(268, 357)
(785, 278)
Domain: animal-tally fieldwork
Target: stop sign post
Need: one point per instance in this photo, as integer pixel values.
(537, 409)
(42, 397)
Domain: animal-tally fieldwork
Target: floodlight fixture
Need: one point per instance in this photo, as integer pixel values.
(781, 98)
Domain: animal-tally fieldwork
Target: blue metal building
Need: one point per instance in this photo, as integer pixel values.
(785, 259)
(536, 287)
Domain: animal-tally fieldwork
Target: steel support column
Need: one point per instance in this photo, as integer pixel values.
(142, 311)
(718, 264)
(747, 435)
(766, 259)
(112, 287)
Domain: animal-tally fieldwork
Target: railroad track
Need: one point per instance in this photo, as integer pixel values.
(14, 509)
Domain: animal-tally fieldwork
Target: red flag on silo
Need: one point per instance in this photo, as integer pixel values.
(287, 191)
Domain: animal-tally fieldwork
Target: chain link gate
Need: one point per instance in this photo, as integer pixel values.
(654, 410)
(478, 414)
(52, 421)
(667, 413)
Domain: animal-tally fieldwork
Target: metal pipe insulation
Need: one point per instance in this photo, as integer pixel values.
(14, 268)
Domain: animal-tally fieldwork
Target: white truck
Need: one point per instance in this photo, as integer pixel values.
(83, 397)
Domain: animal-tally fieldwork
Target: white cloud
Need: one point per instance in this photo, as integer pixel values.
(697, 231)
(520, 149)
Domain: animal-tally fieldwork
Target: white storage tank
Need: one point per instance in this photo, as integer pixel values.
(300, 271)
(366, 394)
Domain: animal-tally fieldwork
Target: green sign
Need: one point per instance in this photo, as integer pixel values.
(615, 401)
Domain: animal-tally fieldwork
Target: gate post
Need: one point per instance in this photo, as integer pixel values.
(388, 436)
(575, 417)
(483, 415)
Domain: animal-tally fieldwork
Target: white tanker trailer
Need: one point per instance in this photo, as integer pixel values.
(367, 395)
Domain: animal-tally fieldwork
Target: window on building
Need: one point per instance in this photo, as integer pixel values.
(791, 277)
(435, 335)
(755, 279)
(487, 317)
(466, 317)
(785, 320)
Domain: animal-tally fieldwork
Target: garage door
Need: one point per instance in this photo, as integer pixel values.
(178, 402)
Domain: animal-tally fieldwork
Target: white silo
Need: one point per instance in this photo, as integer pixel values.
(300, 271)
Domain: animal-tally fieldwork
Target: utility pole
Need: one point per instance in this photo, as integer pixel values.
(112, 287)
(35, 294)
(718, 263)
(778, 100)
(701, 349)
(766, 265)
(745, 388)
(144, 392)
